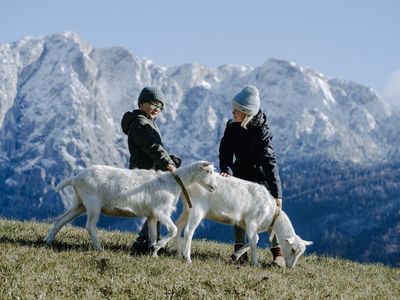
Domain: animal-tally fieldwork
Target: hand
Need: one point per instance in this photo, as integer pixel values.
(171, 168)
(225, 174)
(278, 202)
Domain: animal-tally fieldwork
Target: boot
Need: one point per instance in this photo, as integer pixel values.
(277, 258)
(244, 259)
(141, 246)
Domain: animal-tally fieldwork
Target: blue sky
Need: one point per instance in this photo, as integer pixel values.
(355, 40)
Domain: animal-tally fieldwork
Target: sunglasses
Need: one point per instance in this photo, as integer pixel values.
(155, 105)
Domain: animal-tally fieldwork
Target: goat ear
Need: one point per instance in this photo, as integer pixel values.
(307, 243)
(290, 240)
(206, 165)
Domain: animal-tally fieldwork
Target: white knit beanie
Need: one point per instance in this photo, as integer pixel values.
(247, 101)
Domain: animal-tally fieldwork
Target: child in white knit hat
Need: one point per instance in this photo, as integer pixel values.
(248, 139)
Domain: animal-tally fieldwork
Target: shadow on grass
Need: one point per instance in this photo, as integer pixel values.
(87, 246)
(208, 255)
(62, 246)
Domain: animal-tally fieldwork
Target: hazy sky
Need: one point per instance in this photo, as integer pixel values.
(357, 40)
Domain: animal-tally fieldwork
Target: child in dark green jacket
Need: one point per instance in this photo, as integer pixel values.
(146, 147)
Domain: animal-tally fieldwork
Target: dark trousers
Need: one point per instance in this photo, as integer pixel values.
(144, 232)
(240, 237)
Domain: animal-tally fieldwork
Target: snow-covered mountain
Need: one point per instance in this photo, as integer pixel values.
(61, 102)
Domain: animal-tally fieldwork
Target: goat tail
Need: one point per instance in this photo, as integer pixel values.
(64, 183)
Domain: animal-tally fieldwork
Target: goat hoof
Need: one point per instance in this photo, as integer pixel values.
(234, 257)
(188, 260)
(155, 250)
(47, 243)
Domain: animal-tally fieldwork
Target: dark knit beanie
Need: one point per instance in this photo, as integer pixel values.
(149, 94)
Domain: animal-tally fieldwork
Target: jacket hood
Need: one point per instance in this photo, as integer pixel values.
(260, 119)
(128, 118)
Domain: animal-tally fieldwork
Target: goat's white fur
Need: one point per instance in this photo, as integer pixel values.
(122, 192)
(243, 203)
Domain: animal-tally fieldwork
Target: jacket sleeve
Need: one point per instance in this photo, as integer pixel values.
(267, 159)
(145, 137)
(226, 151)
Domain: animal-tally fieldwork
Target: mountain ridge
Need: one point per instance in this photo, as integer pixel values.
(61, 101)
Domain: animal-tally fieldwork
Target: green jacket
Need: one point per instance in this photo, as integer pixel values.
(144, 141)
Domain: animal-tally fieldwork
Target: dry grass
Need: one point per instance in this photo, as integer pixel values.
(72, 270)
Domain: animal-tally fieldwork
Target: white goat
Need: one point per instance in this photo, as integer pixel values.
(245, 204)
(122, 192)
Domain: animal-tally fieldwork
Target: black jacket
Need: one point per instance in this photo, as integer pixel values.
(144, 141)
(253, 151)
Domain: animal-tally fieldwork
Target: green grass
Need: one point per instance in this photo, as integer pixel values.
(70, 269)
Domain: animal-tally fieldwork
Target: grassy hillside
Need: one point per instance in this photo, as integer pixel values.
(71, 269)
